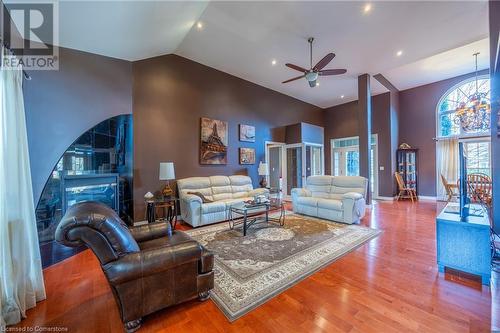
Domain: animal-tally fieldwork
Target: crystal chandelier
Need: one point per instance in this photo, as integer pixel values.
(473, 115)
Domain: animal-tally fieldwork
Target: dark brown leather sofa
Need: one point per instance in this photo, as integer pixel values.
(148, 267)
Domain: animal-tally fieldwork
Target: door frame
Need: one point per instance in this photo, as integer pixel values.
(284, 146)
(285, 166)
(375, 160)
(270, 144)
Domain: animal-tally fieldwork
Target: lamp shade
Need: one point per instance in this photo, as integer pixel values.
(263, 169)
(167, 171)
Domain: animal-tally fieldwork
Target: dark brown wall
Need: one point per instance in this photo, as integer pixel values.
(171, 93)
(417, 126)
(61, 105)
(342, 121)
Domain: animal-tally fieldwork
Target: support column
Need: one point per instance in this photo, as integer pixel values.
(365, 129)
(494, 16)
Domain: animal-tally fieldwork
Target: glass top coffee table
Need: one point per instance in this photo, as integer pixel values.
(249, 214)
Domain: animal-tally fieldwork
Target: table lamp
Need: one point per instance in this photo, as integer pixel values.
(167, 172)
(263, 171)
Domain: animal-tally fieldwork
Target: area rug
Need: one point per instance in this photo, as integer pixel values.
(251, 270)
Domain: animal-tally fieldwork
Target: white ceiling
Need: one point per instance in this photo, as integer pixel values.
(241, 38)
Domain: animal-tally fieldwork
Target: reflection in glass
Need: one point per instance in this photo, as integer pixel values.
(97, 166)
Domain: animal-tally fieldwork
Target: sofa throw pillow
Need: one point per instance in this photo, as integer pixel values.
(202, 197)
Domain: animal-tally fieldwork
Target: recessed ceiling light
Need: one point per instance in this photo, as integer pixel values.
(399, 53)
(273, 62)
(199, 25)
(317, 84)
(367, 8)
(341, 96)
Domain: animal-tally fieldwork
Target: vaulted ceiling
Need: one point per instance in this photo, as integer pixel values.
(437, 39)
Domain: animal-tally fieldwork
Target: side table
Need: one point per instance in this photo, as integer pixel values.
(169, 207)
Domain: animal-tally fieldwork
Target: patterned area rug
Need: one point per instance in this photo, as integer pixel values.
(251, 270)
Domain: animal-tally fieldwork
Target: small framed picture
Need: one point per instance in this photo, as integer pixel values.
(247, 156)
(247, 133)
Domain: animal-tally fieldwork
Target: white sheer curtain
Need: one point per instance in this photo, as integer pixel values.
(21, 279)
(447, 164)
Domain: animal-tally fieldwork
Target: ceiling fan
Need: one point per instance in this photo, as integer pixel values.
(312, 74)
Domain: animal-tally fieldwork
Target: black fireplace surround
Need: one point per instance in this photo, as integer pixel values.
(98, 166)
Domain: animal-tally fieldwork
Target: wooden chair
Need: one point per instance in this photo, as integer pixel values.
(479, 188)
(450, 189)
(404, 191)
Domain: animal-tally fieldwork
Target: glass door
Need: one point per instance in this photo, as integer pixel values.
(275, 157)
(346, 162)
(294, 167)
(345, 159)
(314, 160)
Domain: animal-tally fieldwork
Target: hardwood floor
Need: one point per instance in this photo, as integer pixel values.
(391, 284)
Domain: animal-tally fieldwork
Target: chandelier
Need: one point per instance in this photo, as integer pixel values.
(473, 115)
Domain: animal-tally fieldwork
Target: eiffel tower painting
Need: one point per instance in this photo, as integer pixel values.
(214, 137)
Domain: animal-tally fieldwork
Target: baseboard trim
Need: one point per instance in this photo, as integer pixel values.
(425, 197)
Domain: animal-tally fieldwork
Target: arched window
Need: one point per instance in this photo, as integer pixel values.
(446, 109)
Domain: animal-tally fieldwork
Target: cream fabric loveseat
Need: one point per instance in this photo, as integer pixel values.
(222, 190)
(336, 198)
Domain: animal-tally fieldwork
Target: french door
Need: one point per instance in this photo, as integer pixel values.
(345, 159)
(301, 161)
(290, 165)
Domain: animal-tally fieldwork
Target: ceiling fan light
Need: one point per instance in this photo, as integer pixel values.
(311, 76)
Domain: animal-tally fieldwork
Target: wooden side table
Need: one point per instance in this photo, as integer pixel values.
(169, 208)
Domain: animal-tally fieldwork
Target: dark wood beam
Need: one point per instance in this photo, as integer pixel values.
(385, 82)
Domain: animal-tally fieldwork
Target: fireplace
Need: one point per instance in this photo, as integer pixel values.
(90, 187)
(98, 167)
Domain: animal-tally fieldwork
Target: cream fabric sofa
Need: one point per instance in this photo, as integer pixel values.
(222, 190)
(336, 198)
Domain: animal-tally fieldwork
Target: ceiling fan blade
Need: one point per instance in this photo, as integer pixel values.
(293, 79)
(332, 72)
(297, 68)
(312, 84)
(323, 62)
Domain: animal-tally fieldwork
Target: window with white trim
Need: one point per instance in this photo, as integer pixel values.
(447, 124)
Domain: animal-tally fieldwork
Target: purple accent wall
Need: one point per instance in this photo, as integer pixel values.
(61, 105)
(170, 95)
(342, 121)
(417, 126)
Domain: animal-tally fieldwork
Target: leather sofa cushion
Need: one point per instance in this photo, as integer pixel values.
(336, 196)
(203, 198)
(240, 180)
(308, 201)
(195, 184)
(344, 184)
(219, 181)
(331, 204)
(213, 207)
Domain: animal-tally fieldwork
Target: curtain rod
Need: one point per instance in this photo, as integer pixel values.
(462, 138)
(7, 47)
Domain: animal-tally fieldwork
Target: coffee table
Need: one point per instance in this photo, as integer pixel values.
(249, 214)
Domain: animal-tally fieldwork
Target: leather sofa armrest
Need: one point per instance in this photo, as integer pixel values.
(301, 192)
(354, 206)
(150, 231)
(191, 198)
(259, 191)
(352, 196)
(151, 261)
